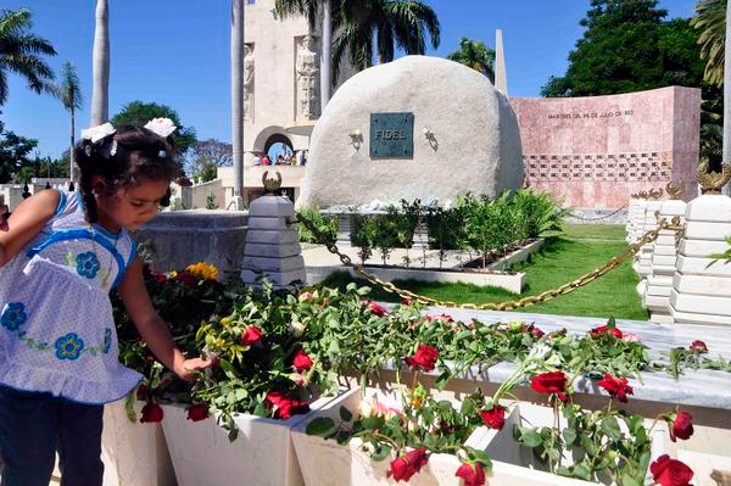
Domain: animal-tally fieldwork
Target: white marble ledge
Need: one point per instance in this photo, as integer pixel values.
(704, 388)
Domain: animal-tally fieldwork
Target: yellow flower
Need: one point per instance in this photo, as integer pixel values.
(225, 321)
(203, 270)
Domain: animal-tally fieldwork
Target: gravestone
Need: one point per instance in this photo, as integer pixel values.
(419, 127)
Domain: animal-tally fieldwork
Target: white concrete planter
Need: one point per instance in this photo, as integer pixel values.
(504, 449)
(262, 455)
(134, 454)
(325, 463)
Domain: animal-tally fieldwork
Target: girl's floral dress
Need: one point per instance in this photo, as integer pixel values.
(57, 331)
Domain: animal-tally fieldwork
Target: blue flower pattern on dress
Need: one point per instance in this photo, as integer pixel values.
(69, 346)
(107, 340)
(13, 316)
(87, 264)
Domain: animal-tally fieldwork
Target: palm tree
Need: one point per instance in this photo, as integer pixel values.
(711, 21)
(311, 9)
(100, 93)
(69, 92)
(21, 52)
(475, 55)
(383, 25)
(237, 98)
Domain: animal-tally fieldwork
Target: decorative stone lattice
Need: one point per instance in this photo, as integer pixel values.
(664, 256)
(701, 292)
(272, 250)
(643, 259)
(651, 166)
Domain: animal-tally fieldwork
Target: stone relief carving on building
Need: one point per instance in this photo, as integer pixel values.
(308, 70)
(249, 81)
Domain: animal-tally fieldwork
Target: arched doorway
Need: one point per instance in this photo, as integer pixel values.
(279, 149)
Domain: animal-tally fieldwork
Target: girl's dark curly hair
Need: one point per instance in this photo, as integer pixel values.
(127, 158)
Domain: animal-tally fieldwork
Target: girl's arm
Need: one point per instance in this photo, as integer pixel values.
(25, 223)
(152, 328)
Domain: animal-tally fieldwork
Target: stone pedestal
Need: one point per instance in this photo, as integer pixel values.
(643, 259)
(701, 292)
(664, 256)
(272, 250)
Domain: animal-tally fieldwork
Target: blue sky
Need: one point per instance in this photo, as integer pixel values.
(176, 52)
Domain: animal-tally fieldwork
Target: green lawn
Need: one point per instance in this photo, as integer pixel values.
(562, 259)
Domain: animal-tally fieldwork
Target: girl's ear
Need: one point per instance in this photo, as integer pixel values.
(97, 183)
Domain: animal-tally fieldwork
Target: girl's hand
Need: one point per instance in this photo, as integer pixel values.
(195, 364)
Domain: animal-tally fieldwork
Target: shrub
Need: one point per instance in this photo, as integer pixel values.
(324, 225)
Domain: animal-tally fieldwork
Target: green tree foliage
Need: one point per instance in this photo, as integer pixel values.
(627, 46)
(21, 52)
(14, 154)
(138, 113)
(206, 156)
(710, 20)
(383, 25)
(475, 55)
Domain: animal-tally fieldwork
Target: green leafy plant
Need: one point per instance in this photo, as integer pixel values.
(325, 226)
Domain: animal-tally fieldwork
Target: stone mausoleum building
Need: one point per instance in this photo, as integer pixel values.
(281, 90)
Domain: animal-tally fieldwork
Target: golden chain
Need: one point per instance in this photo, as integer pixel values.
(586, 279)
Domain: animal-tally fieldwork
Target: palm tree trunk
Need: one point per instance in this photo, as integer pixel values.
(237, 96)
(100, 93)
(326, 58)
(727, 96)
(72, 155)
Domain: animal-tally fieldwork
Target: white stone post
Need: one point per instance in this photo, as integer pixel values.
(632, 214)
(638, 221)
(272, 248)
(701, 292)
(644, 257)
(664, 256)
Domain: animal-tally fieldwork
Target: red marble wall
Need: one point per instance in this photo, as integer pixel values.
(595, 152)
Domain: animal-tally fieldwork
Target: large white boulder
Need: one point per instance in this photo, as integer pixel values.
(475, 148)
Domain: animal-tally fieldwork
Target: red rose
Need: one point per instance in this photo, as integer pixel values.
(470, 476)
(406, 301)
(187, 279)
(151, 413)
(425, 358)
(283, 407)
(494, 418)
(302, 362)
(198, 412)
(534, 330)
(160, 278)
(617, 387)
(553, 382)
(402, 468)
(598, 332)
(251, 335)
(670, 472)
(306, 296)
(378, 309)
(698, 346)
(682, 426)
(142, 392)
(446, 318)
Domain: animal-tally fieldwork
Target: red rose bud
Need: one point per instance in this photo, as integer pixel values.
(682, 426)
(535, 331)
(302, 362)
(425, 358)
(617, 387)
(598, 332)
(306, 296)
(417, 458)
(187, 279)
(378, 309)
(494, 418)
(151, 413)
(471, 476)
(406, 302)
(698, 346)
(160, 278)
(401, 470)
(670, 472)
(251, 335)
(553, 382)
(198, 412)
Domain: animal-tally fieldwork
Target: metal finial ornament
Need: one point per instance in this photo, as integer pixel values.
(271, 186)
(655, 195)
(26, 191)
(712, 182)
(675, 189)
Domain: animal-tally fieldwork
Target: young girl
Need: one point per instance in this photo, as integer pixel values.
(60, 255)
